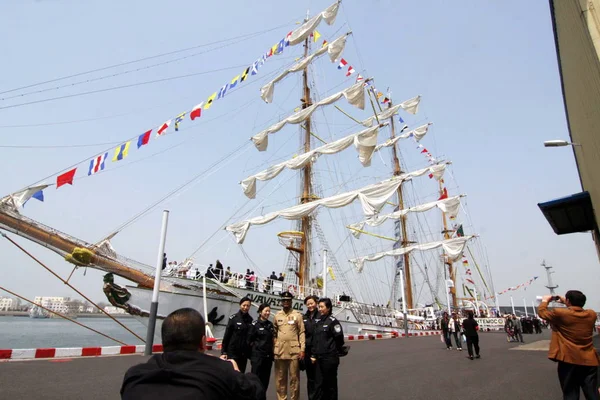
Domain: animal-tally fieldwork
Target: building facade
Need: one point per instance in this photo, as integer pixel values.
(7, 304)
(576, 25)
(57, 304)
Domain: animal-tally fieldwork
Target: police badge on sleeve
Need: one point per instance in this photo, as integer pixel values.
(337, 328)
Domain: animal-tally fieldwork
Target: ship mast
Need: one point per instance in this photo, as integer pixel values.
(304, 267)
(450, 264)
(406, 265)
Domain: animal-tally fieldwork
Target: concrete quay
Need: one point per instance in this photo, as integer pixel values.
(418, 368)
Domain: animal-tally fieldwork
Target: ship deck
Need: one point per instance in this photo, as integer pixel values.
(413, 368)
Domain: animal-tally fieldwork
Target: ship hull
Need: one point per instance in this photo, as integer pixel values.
(223, 304)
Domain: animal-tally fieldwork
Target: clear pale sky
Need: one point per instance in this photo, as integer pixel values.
(487, 72)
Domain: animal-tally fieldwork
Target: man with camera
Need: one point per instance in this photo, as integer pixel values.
(571, 344)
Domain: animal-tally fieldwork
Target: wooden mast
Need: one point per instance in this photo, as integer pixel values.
(449, 263)
(397, 172)
(304, 267)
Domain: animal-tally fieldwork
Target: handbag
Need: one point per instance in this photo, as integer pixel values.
(442, 338)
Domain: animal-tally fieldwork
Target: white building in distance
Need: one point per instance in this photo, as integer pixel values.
(56, 304)
(114, 310)
(6, 303)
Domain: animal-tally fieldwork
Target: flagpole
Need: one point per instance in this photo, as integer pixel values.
(533, 306)
(476, 304)
(498, 303)
(525, 304)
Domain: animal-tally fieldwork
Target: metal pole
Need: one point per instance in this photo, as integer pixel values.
(403, 303)
(533, 306)
(476, 303)
(498, 303)
(207, 329)
(525, 305)
(448, 281)
(512, 304)
(154, 305)
(324, 273)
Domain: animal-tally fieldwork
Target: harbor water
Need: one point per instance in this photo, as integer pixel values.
(27, 333)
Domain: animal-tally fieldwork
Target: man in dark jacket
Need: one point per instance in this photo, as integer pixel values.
(470, 327)
(183, 371)
(235, 340)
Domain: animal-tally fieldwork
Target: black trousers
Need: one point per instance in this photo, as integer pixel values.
(519, 334)
(473, 341)
(326, 378)
(241, 362)
(261, 367)
(573, 377)
(311, 371)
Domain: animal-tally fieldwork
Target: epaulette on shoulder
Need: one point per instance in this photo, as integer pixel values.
(331, 317)
(254, 322)
(232, 316)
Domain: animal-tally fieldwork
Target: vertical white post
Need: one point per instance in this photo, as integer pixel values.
(476, 303)
(525, 305)
(204, 303)
(324, 273)
(497, 303)
(157, 274)
(404, 313)
(533, 306)
(449, 284)
(512, 304)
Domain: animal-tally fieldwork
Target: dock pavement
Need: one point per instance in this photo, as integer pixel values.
(418, 368)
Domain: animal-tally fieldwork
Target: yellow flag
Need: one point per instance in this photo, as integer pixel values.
(210, 101)
(316, 36)
(330, 270)
(274, 48)
(121, 152)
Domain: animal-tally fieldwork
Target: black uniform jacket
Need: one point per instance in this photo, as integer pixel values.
(235, 340)
(470, 327)
(189, 375)
(309, 327)
(328, 337)
(261, 339)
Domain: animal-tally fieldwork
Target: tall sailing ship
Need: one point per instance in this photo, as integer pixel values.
(412, 267)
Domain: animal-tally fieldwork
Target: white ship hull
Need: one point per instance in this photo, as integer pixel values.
(227, 304)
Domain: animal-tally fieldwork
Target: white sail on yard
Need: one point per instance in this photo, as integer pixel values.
(304, 31)
(410, 106)
(355, 95)
(334, 49)
(372, 198)
(449, 206)
(453, 248)
(365, 142)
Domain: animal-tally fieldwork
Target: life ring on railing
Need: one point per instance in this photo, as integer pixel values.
(292, 289)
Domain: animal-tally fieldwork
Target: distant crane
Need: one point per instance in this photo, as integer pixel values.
(549, 273)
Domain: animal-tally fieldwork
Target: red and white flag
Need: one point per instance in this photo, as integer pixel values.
(343, 63)
(196, 111)
(359, 78)
(350, 71)
(163, 128)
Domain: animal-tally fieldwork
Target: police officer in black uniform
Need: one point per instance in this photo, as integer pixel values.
(327, 347)
(261, 342)
(235, 341)
(310, 317)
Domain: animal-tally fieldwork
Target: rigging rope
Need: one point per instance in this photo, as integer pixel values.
(62, 316)
(69, 285)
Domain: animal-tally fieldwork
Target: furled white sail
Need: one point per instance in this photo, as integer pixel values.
(355, 95)
(334, 49)
(364, 141)
(372, 199)
(410, 106)
(452, 247)
(450, 206)
(309, 26)
(18, 199)
(418, 133)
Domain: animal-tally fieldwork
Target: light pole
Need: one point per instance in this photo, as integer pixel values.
(559, 143)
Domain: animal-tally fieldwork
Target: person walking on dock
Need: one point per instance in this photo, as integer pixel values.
(289, 349)
(261, 342)
(235, 340)
(446, 331)
(470, 327)
(518, 327)
(571, 344)
(183, 371)
(454, 330)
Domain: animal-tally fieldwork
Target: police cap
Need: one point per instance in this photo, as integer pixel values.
(286, 296)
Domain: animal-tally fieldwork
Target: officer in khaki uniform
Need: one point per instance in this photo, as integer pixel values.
(289, 348)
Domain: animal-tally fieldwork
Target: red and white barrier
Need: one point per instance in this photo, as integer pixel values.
(69, 352)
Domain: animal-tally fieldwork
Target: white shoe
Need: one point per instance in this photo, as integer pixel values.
(459, 349)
